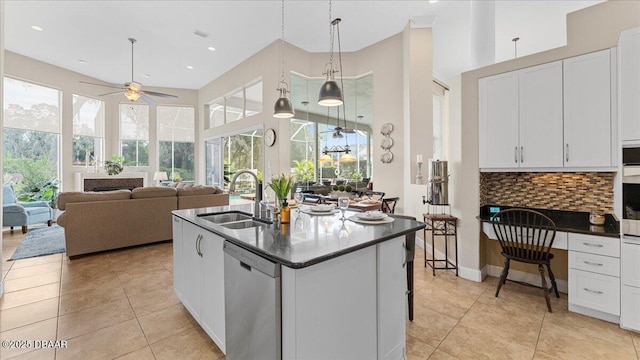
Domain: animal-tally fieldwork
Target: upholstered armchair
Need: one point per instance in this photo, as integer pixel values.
(23, 214)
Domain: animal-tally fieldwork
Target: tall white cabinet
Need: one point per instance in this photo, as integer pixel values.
(629, 75)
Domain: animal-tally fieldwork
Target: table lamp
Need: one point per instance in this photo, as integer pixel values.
(160, 176)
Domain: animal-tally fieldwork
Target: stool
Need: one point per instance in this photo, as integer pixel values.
(441, 225)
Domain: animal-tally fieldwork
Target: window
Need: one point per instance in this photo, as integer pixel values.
(440, 121)
(176, 136)
(134, 134)
(315, 127)
(226, 155)
(243, 103)
(31, 134)
(88, 130)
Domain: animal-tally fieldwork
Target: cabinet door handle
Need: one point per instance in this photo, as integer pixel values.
(597, 292)
(198, 239)
(515, 153)
(592, 245)
(592, 263)
(521, 154)
(566, 152)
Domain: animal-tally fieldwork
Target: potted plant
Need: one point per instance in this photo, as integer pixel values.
(282, 186)
(115, 165)
(44, 191)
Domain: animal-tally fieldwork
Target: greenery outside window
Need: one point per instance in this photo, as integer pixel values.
(226, 155)
(88, 130)
(176, 136)
(31, 134)
(134, 134)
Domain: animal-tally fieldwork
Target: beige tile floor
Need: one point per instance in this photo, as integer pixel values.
(120, 305)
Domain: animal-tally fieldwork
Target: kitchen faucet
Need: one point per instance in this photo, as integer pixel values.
(232, 189)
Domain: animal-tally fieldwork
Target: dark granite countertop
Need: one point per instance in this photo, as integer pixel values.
(316, 239)
(567, 221)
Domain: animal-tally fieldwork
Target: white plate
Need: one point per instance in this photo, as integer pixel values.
(386, 220)
(320, 213)
(321, 208)
(371, 215)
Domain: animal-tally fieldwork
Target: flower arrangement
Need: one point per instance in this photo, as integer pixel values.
(282, 186)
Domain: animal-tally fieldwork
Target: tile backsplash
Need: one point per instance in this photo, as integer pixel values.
(576, 191)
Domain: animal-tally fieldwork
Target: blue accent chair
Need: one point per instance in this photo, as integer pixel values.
(23, 214)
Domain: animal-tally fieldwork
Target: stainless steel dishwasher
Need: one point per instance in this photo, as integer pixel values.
(252, 305)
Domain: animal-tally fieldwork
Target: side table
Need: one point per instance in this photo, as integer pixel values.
(441, 225)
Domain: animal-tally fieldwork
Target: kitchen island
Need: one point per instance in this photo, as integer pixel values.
(316, 288)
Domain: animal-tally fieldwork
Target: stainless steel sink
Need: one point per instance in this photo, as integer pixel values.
(244, 224)
(226, 217)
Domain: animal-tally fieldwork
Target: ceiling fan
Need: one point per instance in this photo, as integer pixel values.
(338, 130)
(133, 90)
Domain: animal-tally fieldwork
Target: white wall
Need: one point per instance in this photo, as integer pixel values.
(38, 72)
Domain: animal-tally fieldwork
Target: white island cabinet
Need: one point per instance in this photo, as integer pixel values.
(198, 269)
(345, 301)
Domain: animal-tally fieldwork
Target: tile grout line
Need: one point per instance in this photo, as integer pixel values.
(539, 334)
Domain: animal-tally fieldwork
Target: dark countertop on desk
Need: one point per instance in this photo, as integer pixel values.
(567, 221)
(317, 240)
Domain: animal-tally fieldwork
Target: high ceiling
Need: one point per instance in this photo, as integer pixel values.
(96, 33)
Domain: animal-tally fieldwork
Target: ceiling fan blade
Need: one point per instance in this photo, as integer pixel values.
(153, 93)
(146, 99)
(111, 93)
(111, 86)
(348, 131)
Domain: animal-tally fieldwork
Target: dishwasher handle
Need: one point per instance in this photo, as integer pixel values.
(245, 266)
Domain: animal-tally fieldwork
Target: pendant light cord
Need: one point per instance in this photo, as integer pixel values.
(282, 45)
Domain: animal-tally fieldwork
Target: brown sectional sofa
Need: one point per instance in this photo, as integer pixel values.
(98, 221)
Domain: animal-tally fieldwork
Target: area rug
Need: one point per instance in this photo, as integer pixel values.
(40, 242)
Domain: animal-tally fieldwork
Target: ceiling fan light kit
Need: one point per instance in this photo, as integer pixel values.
(283, 109)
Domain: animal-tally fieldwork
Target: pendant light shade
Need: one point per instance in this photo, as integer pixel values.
(330, 93)
(325, 159)
(347, 157)
(283, 108)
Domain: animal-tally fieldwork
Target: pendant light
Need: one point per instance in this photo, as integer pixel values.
(330, 92)
(283, 108)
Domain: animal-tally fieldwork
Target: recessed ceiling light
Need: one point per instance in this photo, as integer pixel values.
(433, 1)
(36, 27)
(147, 75)
(211, 48)
(82, 61)
(189, 67)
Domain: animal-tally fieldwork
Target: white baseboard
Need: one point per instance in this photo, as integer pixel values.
(463, 272)
(594, 313)
(534, 279)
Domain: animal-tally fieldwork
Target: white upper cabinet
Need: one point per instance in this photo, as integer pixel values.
(551, 117)
(499, 121)
(587, 110)
(629, 75)
(541, 115)
(521, 118)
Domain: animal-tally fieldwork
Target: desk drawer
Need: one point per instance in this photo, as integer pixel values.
(599, 245)
(599, 264)
(594, 291)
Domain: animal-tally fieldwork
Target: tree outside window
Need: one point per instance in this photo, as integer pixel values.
(134, 134)
(176, 136)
